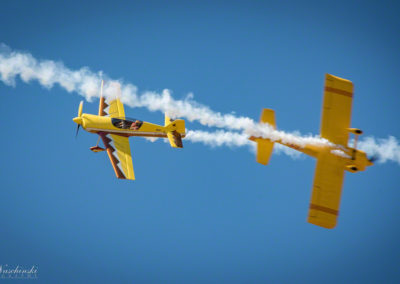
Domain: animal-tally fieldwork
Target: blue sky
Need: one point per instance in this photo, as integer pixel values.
(198, 214)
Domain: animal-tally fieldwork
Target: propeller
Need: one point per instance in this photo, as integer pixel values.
(79, 116)
(77, 130)
(373, 158)
(80, 109)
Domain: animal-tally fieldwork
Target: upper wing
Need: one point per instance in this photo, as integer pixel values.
(113, 107)
(336, 113)
(119, 152)
(327, 189)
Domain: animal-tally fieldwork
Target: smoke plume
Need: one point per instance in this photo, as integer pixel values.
(86, 83)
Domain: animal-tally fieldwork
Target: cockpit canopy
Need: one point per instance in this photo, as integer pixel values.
(127, 123)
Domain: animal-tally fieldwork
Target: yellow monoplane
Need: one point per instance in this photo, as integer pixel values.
(333, 159)
(114, 129)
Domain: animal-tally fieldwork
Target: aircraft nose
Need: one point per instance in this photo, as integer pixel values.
(77, 120)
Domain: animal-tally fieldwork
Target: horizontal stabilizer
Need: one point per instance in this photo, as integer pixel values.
(265, 146)
(175, 129)
(268, 116)
(264, 150)
(175, 139)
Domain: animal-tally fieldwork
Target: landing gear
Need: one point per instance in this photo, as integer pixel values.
(356, 133)
(97, 148)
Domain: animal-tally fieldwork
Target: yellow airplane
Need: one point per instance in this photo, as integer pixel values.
(114, 129)
(330, 169)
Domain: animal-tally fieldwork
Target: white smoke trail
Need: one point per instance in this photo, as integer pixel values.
(232, 139)
(384, 149)
(86, 83)
(221, 138)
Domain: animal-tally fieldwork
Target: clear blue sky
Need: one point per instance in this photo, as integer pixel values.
(198, 215)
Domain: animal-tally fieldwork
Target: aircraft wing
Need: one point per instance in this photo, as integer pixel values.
(119, 152)
(111, 107)
(336, 113)
(327, 189)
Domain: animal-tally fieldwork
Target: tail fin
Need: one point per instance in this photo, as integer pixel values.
(265, 146)
(175, 129)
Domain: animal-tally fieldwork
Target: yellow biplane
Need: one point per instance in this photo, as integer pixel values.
(114, 129)
(333, 159)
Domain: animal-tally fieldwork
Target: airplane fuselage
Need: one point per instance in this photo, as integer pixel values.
(121, 126)
(352, 159)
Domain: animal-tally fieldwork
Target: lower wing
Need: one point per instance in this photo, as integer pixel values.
(119, 152)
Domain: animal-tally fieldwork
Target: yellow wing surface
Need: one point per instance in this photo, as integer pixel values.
(327, 189)
(336, 113)
(111, 107)
(119, 152)
(118, 148)
(329, 172)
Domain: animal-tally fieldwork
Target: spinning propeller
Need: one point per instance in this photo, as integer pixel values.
(78, 119)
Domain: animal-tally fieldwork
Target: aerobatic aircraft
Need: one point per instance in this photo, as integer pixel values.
(333, 159)
(114, 129)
